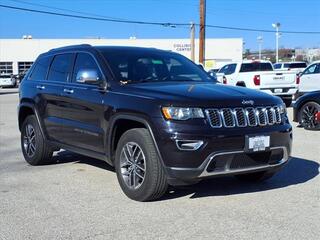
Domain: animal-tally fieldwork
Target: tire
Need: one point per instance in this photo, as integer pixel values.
(41, 152)
(287, 102)
(256, 176)
(137, 146)
(307, 117)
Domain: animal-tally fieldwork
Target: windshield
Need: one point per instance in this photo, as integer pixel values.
(256, 67)
(135, 66)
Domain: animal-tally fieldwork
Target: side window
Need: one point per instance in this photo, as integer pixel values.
(40, 69)
(311, 69)
(61, 67)
(85, 62)
(228, 69)
(223, 69)
(232, 68)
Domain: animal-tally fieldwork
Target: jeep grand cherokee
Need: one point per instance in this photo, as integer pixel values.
(154, 115)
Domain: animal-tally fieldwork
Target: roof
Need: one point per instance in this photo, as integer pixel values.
(105, 48)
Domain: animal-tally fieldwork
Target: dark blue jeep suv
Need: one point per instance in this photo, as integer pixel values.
(154, 115)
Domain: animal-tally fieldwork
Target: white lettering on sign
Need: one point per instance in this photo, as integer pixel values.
(182, 47)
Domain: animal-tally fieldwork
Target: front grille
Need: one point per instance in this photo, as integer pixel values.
(243, 117)
(242, 160)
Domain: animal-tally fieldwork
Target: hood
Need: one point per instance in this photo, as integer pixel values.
(201, 94)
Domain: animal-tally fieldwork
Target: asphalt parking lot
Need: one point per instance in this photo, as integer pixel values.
(79, 198)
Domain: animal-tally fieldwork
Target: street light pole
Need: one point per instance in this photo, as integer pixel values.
(260, 40)
(277, 26)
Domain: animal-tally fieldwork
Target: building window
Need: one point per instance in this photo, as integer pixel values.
(23, 67)
(6, 68)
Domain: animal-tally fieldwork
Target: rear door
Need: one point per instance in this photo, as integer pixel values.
(310, 79)
(82, 123)
(50, 94)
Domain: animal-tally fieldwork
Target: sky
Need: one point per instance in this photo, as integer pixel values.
(293, 15)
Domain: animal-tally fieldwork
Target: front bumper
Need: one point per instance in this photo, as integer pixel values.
(285, 91)
(225, 147)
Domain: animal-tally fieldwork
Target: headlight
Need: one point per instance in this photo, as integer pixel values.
(180, 113)
(283, 109)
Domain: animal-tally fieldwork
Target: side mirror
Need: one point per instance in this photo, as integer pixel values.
(90, 76)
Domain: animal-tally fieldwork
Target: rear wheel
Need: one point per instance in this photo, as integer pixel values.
(256, 176)
(139, 171)
(34, 148)
(308, 116)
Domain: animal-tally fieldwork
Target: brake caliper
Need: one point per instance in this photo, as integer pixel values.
(317, 117)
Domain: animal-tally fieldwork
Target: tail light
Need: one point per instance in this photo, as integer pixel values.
(224, 80)
(297, 79)
(256, 80)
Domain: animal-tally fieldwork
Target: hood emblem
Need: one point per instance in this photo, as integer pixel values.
(248, 102)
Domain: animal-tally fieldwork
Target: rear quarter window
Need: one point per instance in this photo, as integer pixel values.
(40, 69)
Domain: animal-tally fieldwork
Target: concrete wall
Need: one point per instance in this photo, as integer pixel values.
(218, 51)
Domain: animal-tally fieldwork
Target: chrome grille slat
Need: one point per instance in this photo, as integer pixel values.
(228, 118)
(243, 117)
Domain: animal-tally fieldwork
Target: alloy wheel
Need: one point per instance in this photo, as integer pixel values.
(132, 165)
(308, 117)
(29, 140)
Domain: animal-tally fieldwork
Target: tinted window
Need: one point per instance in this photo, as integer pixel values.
(153, 66)
(277, 66)
(40, 69)
(228, 69)
(84, 61)
(60, 68)
(296, 65)
(256, 67)
(312, 69)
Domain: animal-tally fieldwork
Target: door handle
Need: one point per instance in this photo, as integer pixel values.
(41, 87)
(69, 91)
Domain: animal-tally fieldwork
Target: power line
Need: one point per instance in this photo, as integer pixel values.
(64, 9)
(259, 30)
(164, 24)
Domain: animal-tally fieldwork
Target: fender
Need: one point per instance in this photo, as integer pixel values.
(136, 118)
(36, 113)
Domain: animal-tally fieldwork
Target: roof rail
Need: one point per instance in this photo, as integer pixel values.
(71, 46)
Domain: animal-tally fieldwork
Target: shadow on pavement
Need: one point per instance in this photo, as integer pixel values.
(297, 171)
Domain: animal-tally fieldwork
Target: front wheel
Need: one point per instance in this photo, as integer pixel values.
(139, 170)
(308, 116)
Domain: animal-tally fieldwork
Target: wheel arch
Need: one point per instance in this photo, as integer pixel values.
(26, 109)
(127, 122)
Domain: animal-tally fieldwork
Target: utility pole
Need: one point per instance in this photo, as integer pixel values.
(192, 33)
(202, 31)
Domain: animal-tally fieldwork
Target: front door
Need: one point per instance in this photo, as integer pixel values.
(82, 123)
(310, 79)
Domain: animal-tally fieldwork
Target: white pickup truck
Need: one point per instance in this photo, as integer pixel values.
(261, 76)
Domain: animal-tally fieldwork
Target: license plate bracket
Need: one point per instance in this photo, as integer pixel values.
(257, 143)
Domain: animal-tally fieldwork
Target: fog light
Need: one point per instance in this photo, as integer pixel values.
(189, 145)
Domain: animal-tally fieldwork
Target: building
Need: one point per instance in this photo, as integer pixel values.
(17, 55)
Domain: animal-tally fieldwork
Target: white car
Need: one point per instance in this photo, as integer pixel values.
(310, 78)
(7, 81)
(297, 67)
(261, 76)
